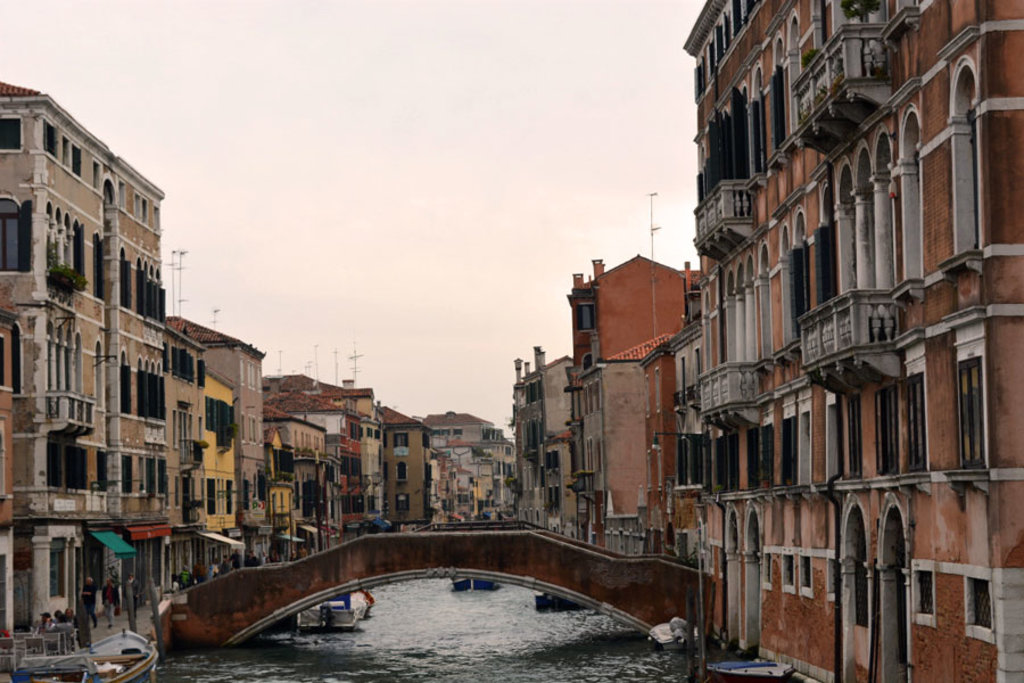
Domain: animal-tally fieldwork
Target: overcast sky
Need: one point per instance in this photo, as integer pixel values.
(420, 178)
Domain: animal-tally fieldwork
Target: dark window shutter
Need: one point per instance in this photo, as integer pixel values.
(728, 172)
(714, 155)
(141, 393)
(755, 115)
(768, 453)
(126, 389)
(737, 16)
(78, 250)
(824, 264)
(202, 373)
(25, 236)
(97, 266)
(162, 411)
(140, 291)
(163, 305)
(16, 360)
(719, 43)
(797, 287)
(778, 107)
(741, 165)
(696, 83)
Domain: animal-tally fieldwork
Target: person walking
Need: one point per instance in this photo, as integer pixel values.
(89, 599)
(111, 600)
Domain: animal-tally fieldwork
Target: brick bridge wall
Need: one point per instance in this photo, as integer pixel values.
(641, 591)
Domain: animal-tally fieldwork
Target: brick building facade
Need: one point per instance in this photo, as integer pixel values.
(856, 227)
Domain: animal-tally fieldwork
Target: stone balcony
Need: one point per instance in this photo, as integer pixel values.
(724, 219)
(728, 394)
(69, 412)
(842, 85)
(849, 340)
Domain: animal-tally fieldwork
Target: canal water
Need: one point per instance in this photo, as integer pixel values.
(423, 631)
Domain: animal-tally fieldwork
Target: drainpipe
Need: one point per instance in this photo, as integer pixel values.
(837, 575)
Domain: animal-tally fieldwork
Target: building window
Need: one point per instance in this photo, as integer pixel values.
(584, 317)
(76, 160)
(122, 195)
(126, 473)
(50, 138)
(12, 232)
(972, 451)
(65, 151)
(805, 576)
(10, 133)
(916, 440)
(401, 440)
(787, 571)
(979, 603)
(96, 175)
(789, 445)
(401, 470)
(854, 441)
(925, 592)
(402, 502)
(887, 430)
(211, 496)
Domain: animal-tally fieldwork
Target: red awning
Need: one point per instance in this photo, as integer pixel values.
(145, 531)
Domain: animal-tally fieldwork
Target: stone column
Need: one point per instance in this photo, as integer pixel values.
(739, 331)
(910, 196)
(751, 326)
(40, 575)
(847, 240)
(883, 233)
(865, 252)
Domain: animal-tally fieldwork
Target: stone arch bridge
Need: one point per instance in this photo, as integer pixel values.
(640, 591)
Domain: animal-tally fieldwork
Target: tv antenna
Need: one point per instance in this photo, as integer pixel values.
(654, 305)
(177, 265)
(355, 364)
(215, 312)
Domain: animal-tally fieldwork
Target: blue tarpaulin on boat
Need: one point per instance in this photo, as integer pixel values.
(383, 524)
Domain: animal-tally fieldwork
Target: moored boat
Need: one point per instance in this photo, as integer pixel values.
(126, 657)
(670, 635)
(547, 601)
(336, 614)
(363, 599)
(460, 585)
(749, 672)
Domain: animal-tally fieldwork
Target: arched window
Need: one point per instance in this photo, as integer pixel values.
(97, 265)
(758, 132)
(966, 219)
(750, 308)
(140, 287)
(884, 246)
(785, 261)
(863, 210)
(125, 387)
(68, 241)
(727, 331)
(910, 197)
(125, 270)
(78, 248)
(765, 298)
(793, 60)
(846, 233)
(779, 95)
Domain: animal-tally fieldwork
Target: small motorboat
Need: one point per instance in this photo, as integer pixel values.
(670, 635)
(460, 585)
(336, 614)
(547, 601)
(363, 601)
(749, 672)
(126, 657)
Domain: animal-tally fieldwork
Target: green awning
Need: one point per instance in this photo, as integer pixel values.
(110, 539)
(287, 537)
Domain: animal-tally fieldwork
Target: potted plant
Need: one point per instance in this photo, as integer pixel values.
(860, 9)
(808, 57)
(65, 277)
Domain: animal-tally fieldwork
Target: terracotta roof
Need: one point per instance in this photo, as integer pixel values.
(640, 351)
(310, 385)
(298, 402)
(389, 416)
(557, 361)
(268, 432)
(451, 418)
(8, 90)
(209, 336)
(273, 413)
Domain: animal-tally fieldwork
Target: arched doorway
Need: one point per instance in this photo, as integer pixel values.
(893, 598)
(753, 582)
(732, 568)
(855, 594)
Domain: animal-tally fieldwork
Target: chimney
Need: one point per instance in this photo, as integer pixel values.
(577, 280)
(598, 267)
(538, 358)
(348, 384)
(275, 384)
(595, 346)
(526, 366)
(519, 370)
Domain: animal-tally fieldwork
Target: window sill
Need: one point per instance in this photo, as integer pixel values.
(980, 633)
(807, 592)
(960, 480)
(971, 259)
(789, 589)
(922, 619)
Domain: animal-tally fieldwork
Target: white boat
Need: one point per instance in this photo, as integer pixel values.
(126, 657)
(362, 603)
(670, 635)
(336, 614)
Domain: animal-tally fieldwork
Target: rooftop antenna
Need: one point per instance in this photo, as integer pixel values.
(279, 362)
(176, 267)
(215, 312)
(316, 363)
(355, 363)
(335, 366)
(654, 306)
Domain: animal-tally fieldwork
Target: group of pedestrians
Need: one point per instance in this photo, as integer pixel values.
(201, 572)
(110, 597)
